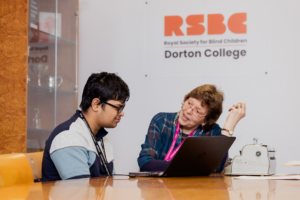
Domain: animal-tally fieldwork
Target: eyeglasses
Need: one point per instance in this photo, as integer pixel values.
(120, 109)
(188, 105)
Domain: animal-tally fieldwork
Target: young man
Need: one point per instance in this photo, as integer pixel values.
(78, 147)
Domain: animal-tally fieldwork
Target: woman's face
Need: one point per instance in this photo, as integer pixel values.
(192, 114)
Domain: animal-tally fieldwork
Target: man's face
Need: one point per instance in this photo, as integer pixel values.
(109, 117)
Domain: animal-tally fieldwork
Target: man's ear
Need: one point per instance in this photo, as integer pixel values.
(95, 105)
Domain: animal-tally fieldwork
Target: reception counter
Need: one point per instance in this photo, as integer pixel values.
(121, 187)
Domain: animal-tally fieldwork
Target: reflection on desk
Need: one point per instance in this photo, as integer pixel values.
(212, 187)
(252, 189)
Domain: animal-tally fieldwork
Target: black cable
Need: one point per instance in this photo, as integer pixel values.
(120, 174)
(131, 176)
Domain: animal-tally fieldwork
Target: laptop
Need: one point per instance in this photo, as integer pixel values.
(198, 156)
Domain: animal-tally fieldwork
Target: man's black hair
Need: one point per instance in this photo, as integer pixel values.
(105, 86)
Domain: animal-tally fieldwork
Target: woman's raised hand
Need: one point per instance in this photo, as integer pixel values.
(238, 112)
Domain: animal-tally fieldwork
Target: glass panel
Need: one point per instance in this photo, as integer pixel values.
(66, 101)
(66, 14)
(66, 65)
(41, 67)
(66, 106)
(47, 104)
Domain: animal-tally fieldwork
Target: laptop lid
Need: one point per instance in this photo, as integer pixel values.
(199, 156)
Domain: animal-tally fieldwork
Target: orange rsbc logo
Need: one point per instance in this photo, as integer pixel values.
(215, 24)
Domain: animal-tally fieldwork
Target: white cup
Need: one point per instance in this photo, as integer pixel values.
(52, 81)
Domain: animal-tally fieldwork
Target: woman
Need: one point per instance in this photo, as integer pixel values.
(201, 109)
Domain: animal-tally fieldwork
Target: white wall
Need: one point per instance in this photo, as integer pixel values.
(111, 39)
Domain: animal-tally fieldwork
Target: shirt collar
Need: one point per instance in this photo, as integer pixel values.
(176, 118)
(101, 133)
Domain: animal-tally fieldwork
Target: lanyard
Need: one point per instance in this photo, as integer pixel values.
(102, 156)
(172, 153)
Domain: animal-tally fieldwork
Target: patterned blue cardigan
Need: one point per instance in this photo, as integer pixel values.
(160, 136)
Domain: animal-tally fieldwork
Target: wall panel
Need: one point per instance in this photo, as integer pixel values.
(13, 73)
(112, 38)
